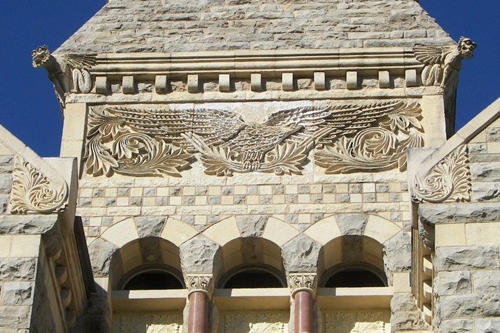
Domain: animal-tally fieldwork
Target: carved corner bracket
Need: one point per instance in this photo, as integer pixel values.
(33, 192)
(448, 180)
(199, 283)
(302, 282)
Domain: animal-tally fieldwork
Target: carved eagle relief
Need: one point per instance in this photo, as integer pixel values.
(131, 139)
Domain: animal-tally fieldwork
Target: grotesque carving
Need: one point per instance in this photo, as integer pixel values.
(157, 141)
(78, 65)
(443, 64)
(33, 192)
(42, 58)
(447, 180)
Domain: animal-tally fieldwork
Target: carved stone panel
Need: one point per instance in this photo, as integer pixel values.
(256, 321)
(357, 321)
(448, 180)
(164, 322)
(161, 141)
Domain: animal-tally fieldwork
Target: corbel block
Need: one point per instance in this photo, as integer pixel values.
(287, 81)
(224, 82)
(101, 85)
(411, 77)
(384, 79)
(351, 79)
(128, 84)
(256, 82)
(161, 82)
(319, 80)
(193, 83)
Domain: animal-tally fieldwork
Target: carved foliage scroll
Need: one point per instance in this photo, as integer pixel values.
(448, 180)
(33, 192)
(163, 141)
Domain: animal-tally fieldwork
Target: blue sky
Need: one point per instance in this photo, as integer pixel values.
(29, 109)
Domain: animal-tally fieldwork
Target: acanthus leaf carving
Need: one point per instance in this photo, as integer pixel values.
(302, 281)
(448, 180)
(443, 64)
(164, 141)
(34, 192)
(199, 282)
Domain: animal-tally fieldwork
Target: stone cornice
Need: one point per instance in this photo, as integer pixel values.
(251, 61)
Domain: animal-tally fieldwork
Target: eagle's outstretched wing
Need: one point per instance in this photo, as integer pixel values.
(214, 126)
(80, 61)
(429, 55)
(308, 117)
(346, 119)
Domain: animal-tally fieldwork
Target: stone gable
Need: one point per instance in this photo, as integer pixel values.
(176, 26)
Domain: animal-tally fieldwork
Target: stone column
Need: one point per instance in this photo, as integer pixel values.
(199, 291)
(303, 288)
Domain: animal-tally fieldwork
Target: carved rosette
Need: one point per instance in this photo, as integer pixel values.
(152, 141)
(302, 282)
(33, 192)
(448, 180)
(199, 283)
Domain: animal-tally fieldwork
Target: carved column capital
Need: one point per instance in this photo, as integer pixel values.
(302, 282)
(199, 283)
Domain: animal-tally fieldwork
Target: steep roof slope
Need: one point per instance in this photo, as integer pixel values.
(200, 25)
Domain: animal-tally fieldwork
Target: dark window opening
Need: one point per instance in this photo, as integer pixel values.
(153, 280)
(253, 279)
(354, 278)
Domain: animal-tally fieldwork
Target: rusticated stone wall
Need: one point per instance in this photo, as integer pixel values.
(467, 241)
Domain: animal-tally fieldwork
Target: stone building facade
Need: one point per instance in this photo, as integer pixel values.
(240, 166)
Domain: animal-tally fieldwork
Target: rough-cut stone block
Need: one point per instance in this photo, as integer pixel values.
(27, 224)
(287, 81)
(100, 253)
(402, 302)
(487, 325)
(486, 282)
(17, 268)
(352, 81)
(472, 306)
(397, 254)
(198, 255)
(486, 172)
(5, 183)
(16, 293)
(466, 258)
(462, 212)
(161, 84)
(319, 80)
(301, 254)
(251, 225)
(456, 326)
(453, 283)
(351, 224)
(149, 225)
(14, 317)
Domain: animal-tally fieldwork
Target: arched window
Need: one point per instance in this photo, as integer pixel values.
(253, 277)
(152, 279)
(355, 276)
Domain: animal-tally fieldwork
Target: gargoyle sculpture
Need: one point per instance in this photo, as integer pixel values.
(443, 64)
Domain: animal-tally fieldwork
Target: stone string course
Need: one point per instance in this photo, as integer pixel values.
(192, 25)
